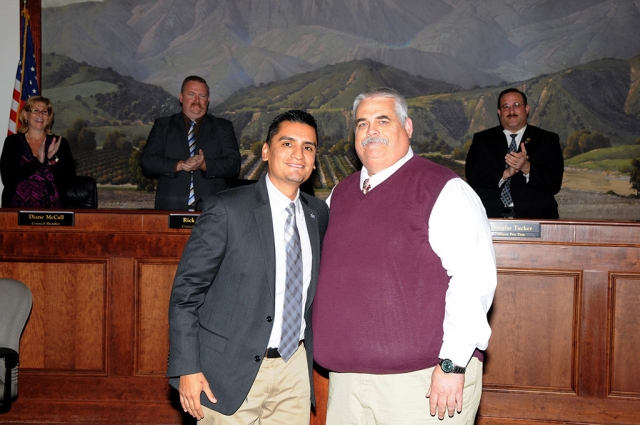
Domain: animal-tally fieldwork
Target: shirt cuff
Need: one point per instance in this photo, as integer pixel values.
(460, 356)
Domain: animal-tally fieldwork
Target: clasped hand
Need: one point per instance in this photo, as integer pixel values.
(196, 162)
(51, 152)
(516, 161)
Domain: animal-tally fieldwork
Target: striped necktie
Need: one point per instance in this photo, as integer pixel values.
(292, 310)
(505, 194)
(192, 151)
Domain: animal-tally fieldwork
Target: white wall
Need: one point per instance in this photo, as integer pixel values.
(9, 54)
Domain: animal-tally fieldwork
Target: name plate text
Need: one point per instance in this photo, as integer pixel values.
(46, 218)
(515, 229)
(182, 221)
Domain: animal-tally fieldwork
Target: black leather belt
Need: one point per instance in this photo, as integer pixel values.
(272, 353)
(508, 212)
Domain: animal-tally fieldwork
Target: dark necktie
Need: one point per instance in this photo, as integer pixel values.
(292, 309)
(505, 195)
(192, 150)
(366, 186)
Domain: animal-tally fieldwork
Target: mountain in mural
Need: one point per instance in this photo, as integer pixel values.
(240, 43)
(107, 116)
(599, 96)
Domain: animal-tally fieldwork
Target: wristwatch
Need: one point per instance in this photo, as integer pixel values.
(54, 160)
(448, 366)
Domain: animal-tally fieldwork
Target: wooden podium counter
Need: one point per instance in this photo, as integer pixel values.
(565, 322)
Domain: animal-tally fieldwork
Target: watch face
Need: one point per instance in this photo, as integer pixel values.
(446, 365)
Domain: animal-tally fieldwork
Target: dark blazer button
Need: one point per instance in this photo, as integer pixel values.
(257, 358)
(269, 319)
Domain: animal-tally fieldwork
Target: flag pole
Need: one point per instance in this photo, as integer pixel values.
(25, 13)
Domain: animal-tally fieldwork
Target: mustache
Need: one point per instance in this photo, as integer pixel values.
(374, 139)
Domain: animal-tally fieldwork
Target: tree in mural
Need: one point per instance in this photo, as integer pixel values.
(137, 175)
(87, 139)
(116, 140)
(460, 153)
(80, 136)
(583, 141)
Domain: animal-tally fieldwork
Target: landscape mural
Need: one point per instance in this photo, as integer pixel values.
(112, 67)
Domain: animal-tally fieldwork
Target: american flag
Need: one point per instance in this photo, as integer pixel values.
(26, 77)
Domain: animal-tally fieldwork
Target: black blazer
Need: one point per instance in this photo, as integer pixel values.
(223, 297)
(167, 144)
(535, 199)
(13, 172)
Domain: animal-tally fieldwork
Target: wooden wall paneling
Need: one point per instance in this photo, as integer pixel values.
(535, 321)
(544, 255)
(625, 344)
(608, 234)
(121, 309)
(502, 408)
(559, 233)
(154, 281)
(593, 335)
(66, 331)
(321, 387)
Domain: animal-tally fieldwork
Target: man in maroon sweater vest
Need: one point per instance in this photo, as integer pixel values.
(407, 276)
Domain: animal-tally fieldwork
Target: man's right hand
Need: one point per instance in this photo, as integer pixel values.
(190, 388)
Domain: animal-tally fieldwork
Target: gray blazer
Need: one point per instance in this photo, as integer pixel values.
(222, 303)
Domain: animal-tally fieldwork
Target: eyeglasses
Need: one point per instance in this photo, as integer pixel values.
(38, 112)
(507, 107)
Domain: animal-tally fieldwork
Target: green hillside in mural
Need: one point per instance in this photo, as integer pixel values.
(617, 159)
(102, 98)
(599, 96)
(101, 111)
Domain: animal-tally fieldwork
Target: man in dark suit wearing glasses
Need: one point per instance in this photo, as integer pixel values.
(516, 168)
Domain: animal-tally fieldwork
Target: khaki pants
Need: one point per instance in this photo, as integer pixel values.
(398, 399)
(279, 395)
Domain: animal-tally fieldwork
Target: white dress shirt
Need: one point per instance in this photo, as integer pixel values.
(460, 234)
(279, 202)
(519, 135)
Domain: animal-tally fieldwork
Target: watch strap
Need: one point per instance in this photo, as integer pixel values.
(448, 366)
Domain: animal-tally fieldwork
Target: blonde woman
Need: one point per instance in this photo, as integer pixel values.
(36, 166)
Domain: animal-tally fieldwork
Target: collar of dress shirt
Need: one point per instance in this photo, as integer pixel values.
(278, 200)
(381, 176)
(518, 138)
(187, 122)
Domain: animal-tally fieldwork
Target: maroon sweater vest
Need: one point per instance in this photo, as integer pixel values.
(380, 300)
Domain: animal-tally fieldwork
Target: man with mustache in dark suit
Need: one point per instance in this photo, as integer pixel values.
(193, 154)
(516, 168)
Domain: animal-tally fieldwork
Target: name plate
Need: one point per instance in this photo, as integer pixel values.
(515, 229)
(182, 221)
(46, 218)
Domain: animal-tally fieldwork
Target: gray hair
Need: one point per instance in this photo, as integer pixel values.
(401, 108)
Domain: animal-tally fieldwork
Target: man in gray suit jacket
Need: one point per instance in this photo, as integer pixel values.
(215, 159)
(228, 298)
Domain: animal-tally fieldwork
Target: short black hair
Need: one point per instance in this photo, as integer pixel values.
(194, 78)
(512, 90)
(293, 115)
